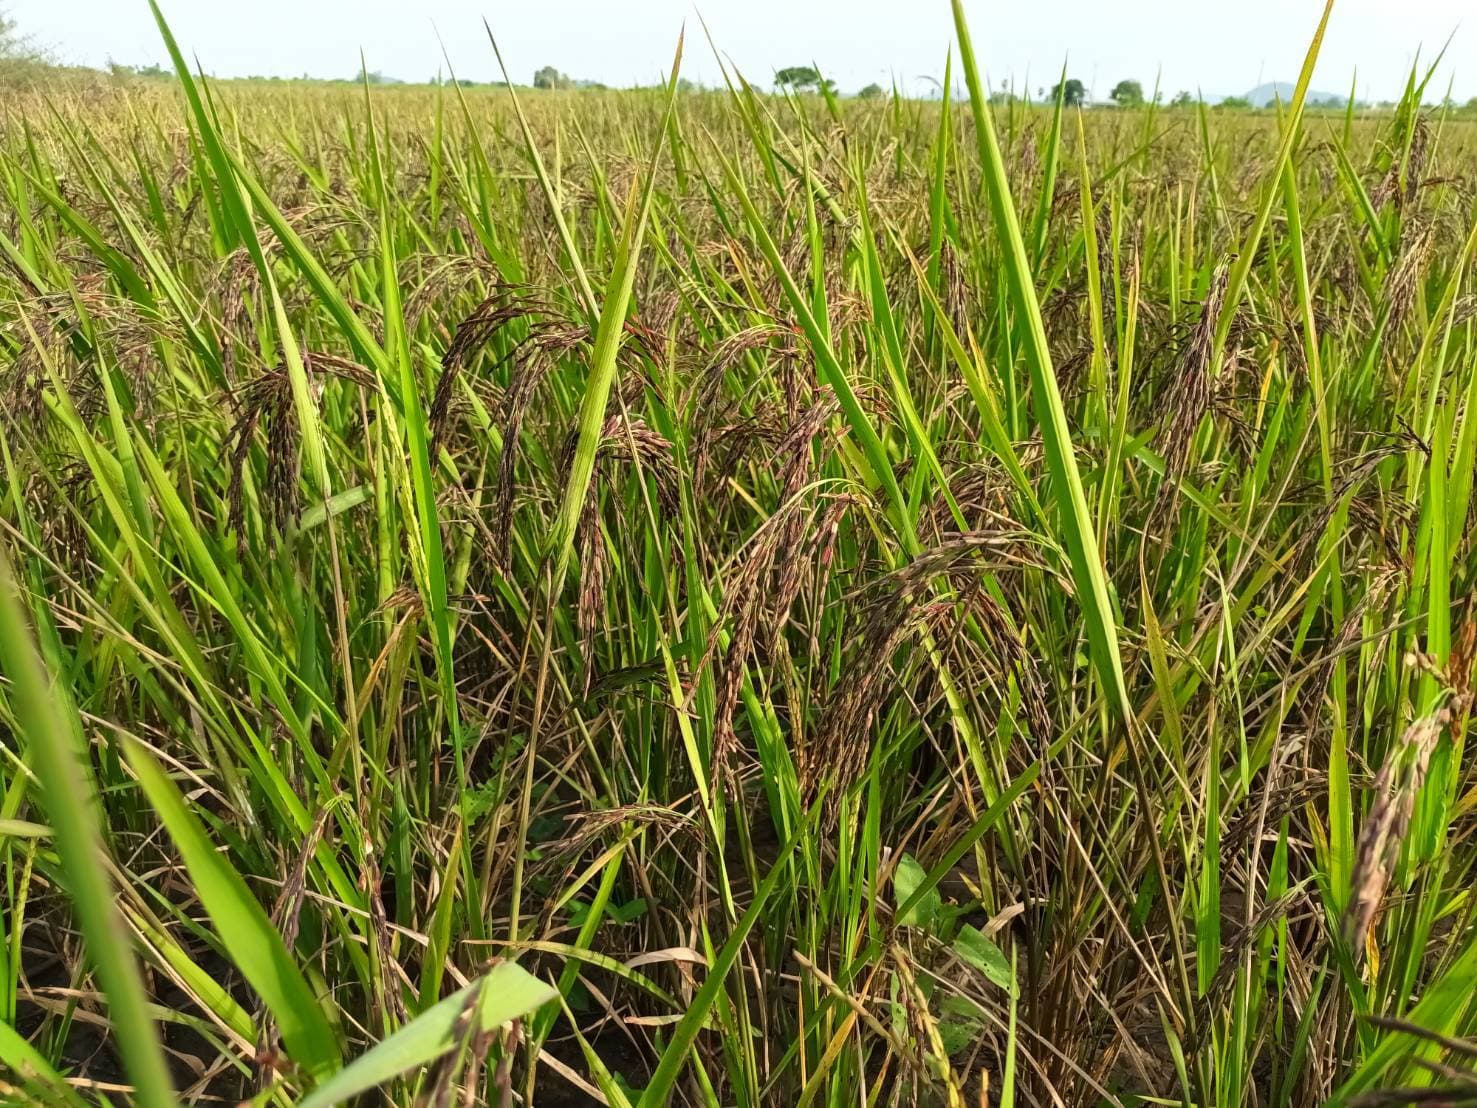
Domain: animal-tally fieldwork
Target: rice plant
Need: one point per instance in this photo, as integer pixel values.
(728, 598)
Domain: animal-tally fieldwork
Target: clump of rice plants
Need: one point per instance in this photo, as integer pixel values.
(730, 599)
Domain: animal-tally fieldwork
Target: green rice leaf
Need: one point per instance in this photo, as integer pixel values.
(505, 993)
(247, 936)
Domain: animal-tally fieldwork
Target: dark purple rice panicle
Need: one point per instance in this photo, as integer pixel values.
(506, 304)
(531, 362)
(240, 286)
(1107, 254)
(286, 916)
(448, 277)
(1191, 389)
(628, 440)
(1418, 247)
(265, 401)
(1396, 788)
(762, 593)
(743, 604)
(893, 611)
(1412, 169)
(593, 559)
(1356, 487)
(724, 439)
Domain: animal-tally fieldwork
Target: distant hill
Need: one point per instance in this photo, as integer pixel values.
(1264, 95)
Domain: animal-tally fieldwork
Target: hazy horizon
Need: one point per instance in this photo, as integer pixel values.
(1216, 51)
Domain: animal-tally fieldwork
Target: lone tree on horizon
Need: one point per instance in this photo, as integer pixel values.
(549, 77)
(1128, 94)
(1073, 92)
(799, 77)
(14, 46)
(10, 38)
(21, 59)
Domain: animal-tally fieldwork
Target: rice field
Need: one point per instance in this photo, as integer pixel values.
(519, 597)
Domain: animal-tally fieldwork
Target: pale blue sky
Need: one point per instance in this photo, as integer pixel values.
(1218, 46)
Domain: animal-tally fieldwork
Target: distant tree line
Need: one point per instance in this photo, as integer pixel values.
(1129, 93)
(20, 56)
